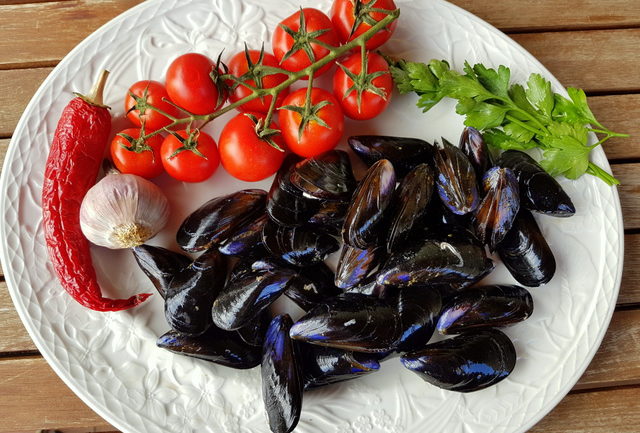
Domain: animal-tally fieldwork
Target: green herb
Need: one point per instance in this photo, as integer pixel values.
(513, 116)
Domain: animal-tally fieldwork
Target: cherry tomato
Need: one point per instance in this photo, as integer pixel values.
(371, 103)
(134, 157)
(343, 18)
(239, 67)
(152, 93)
(315, 22)
(196, 162)
(315, 138)
(246, 156)
(190, 85)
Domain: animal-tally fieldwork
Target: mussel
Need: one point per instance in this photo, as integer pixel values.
(419, 310)
(351, 322)
(326, 365)
(370, 287)
(404, 153)
(159, 264)
(247, 241)
(327, 176)
(410, 205)
(253, 333)
(456, 180)
(466, 363)
(218, 219)
(539, 191)
(299, 246)
(249, 292)
(286, 204)
(282, 382)
(313, 285)
(499, 208)
(192, 291)
(215, 345)
(525, 252)
(364, 219)
(330, 214)
(355, 265)
(445, 256)
(485, 307)
(473, 145)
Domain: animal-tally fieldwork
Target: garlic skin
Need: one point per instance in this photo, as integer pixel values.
(123, 211)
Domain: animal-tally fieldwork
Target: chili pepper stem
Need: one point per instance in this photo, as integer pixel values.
(96, 96)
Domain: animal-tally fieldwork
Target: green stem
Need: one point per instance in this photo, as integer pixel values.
(272, 109)
(598, 172)
(514, 107)
(524, 125)
(609, 133)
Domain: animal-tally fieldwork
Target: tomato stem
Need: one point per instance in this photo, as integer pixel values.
(334, 53)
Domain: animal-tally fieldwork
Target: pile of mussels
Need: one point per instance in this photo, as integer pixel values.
(409, 257)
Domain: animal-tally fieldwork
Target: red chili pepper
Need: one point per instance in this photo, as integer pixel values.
(72, 168)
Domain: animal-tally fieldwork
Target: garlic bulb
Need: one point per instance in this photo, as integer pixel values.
(123, 211)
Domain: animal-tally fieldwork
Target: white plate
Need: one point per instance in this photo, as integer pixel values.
(111, 361)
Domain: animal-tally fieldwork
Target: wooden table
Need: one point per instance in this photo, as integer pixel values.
(592, 44)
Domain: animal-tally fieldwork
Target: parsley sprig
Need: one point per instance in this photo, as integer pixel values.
(513, 116)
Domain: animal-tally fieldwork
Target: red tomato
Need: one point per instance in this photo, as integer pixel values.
(315, 138)
(371, 104)
(343, 18)
(315, 22)
(190, 85)
(151, 93)
(186, 164)
(239, 66)
(246, 156)
(139, 158)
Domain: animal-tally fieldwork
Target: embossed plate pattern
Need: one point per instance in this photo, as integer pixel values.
(111, 361)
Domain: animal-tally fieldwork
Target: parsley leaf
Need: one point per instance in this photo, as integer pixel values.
(498, 139)
(540, 95)
(496, 82)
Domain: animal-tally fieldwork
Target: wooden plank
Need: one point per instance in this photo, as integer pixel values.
(597, 61)
(62, 24)
(630, 285)
(594, 412)
(629, 190)
(620, 113)
(525, 15)
(14, 336)
(16, 90)
(616, 362)
(37, 399)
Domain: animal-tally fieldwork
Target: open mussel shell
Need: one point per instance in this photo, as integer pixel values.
(410, 205)
(485, 307)
(247, 240)
(525, 252)
(365, 217)
(419, 310)
(404, 153)
(299, 246)
(446, 256)
(286, 204)
(539, 191)
(499, 207)
(282, 382)
(249, 292)
(327, 176)
(466, 363)
(456, 180)
(356, 265)
(159, 264)
(191, 293)
(313, 286)
(351, 322)
(325, 365)
(473, 145)
(215, 345)
(217, 219)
